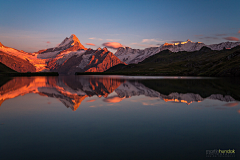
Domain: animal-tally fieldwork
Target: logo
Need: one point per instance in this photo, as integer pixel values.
(220, 153)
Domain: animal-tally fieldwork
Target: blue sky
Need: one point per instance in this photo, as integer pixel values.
(34, 25)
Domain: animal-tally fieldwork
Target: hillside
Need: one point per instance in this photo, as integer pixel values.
(205, 62)
(5, 69)
(134, 56)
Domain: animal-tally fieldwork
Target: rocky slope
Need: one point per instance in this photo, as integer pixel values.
(10, 57)
(71, 92)
(205, 62)
(4, 69)
(134, 56)
(85, 61)
(68, 57)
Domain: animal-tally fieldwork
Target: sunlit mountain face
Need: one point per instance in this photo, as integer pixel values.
(68, 57)
(72, 90)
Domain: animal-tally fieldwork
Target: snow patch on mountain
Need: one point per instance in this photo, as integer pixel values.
(66, 41)
(188, 46)
(221, 46)
(129, 55)
(220, 97)
(48, 55)
(134, 56)
(85, 61)
(129, 89)
(61, 58)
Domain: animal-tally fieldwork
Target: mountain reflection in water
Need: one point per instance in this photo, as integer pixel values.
(72, 90)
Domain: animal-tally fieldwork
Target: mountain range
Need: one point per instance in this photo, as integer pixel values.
(72, 91)
(70, 56)
(203, 62)
(134, 56)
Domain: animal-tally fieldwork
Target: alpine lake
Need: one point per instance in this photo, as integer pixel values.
(119, 117)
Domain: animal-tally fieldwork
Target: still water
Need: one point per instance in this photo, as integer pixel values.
(118, 117)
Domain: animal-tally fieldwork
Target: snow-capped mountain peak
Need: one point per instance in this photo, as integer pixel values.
(71, 41)
(68, 57)
(129, 55)
(134, 56)
(105, 49)
(221, 46)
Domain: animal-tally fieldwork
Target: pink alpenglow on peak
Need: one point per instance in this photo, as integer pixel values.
(177, 43)
(68, 57)
(134, 56)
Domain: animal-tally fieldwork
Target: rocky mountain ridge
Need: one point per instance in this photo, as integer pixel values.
(68, 57)
(72, 91)
(134, 56)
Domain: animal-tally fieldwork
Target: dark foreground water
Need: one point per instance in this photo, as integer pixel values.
(116, 117)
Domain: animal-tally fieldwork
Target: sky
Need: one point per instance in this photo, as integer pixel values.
(39, 24)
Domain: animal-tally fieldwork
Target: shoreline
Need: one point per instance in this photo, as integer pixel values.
(147, 74)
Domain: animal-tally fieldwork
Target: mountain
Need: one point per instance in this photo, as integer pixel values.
(134, 56)
(68, 57)
(204, 62)
(4, 68)
(73, 90)
(15, 59)
(130, 89)
(84, 61)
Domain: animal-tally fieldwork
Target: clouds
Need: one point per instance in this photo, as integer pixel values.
(219, 37)
(232, 38)
(113, 45)
(94, 38)
(145, 45)
(48, 42)
(150, 40)
(92, 100)
(208, 37)
(90, 44)
(113, 39)
(221, 34)
(231, 104)
(114, 99)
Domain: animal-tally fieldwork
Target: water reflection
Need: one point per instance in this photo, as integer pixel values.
(117, 117)
(71, 91)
